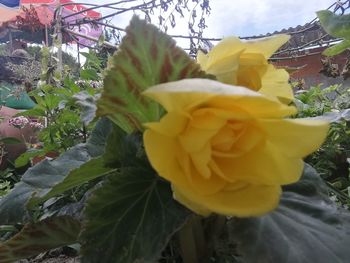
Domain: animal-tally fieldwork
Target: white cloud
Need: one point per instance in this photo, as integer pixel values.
(243, 17)
(254, 17)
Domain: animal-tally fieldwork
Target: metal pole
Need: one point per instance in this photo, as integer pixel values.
(105, 43)
(59, 38)
(46, 36)
(78, 46)
(10, 40)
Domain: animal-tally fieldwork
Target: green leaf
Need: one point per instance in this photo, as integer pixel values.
(335, 25)
(146, 57)
(51, 100)
(88, 107)
(337, 49)
(89, 74)
(124, 150)
(130, 218)
(71, 86)
(40, 237)
(88, 171)
(10, 140)
(24, 158)
(343, 115)
(118, 148)
(41, 178)
(37, 111)
(306, 227)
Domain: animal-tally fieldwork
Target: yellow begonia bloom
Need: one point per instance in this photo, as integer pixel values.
(227, 149)
(245, 64)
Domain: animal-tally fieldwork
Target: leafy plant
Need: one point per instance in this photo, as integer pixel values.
(61, 108)
(105, 195)
(331, 159)
(337, 26)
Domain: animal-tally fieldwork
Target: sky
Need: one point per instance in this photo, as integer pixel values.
(248, 17)
(236, 17)
(255, 17)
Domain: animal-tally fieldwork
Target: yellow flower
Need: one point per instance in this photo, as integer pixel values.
(245, 64)
(227, 149)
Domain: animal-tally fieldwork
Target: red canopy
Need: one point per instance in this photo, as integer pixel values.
(44, 9)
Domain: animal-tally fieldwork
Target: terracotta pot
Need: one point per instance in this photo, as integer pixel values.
(26, 134)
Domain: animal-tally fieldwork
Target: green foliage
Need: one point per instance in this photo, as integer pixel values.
(10, 140)
(39, 237)
(315, 101)
(146, 57)
(6, 181)
(331, 159)
(127, 211)
(40, 179)
(68, 112)
(92, 62)
(306, 227)
(130, 218)
(88, 171)
(87, 104)
(337, 26)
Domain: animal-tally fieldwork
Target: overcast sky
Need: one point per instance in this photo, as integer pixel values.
(254, 17)
(251, 17)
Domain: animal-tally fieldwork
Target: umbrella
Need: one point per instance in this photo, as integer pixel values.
(9, 9)
(45, 11)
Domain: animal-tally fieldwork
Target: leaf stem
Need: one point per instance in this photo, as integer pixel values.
(192, 241)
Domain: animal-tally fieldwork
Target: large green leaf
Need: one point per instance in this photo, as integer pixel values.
(121, 150)
(130, 218)
(337, 49)
(39, 237)
(88, 171)
(146, 57)
(307, 227)
(41, 178)
(87, 104)
(335, 25)
(10, 140)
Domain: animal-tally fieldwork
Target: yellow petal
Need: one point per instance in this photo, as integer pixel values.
(250, 200)
(201, 161)
(252, 59)
(202, 59)
(265, 164)
(180, 96)
(254, 106)
(170, 125)
(228, 64)
(296, 138)
(198, 208)
(228, 77)
(184, 95)
(275, 83)
(203, 126)
(173, 164)
(249, 77)
(197, 182)
(267, 46)
(225, 48)
(161, 152)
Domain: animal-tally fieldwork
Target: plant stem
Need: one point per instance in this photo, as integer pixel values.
(192, 241)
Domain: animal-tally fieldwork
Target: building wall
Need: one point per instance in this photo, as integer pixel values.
(310, 73)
